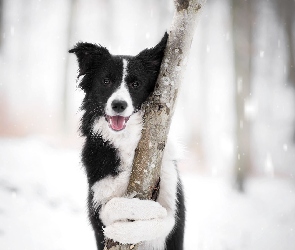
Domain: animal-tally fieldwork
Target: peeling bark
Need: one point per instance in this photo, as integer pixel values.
(159, 108)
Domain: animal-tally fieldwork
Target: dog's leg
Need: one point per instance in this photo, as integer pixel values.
(120, 209)
(134, 220)
(139, 231)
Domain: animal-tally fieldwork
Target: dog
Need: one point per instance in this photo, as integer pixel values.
(115, 87)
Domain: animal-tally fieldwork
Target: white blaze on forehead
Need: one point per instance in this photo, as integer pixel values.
(121, 94)
(125, 64)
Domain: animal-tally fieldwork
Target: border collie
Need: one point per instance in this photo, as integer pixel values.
(115, 88)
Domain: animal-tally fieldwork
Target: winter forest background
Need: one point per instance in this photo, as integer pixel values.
(235, 118)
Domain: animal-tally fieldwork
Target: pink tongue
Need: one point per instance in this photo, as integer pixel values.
(117, 122)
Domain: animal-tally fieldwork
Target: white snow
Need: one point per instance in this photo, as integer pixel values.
(42, 197)
(43, 205)
(221, 219)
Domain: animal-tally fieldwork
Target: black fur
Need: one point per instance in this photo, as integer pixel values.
(175, 239)
(96, 64)
(100, 158)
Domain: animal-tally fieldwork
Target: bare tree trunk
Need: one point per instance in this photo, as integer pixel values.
(160, 106)
(242, 39)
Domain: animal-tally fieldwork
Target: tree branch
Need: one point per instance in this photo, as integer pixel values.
(159, 108)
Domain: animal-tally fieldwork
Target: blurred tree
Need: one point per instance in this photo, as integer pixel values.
(65, 98)
(164, 12)
(1, 21)
(285, 10)
(242, 41)
(109, 18)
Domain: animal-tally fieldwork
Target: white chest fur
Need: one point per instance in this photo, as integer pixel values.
(110, 187)
(125, 142)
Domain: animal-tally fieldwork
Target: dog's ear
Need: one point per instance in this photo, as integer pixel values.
(89, 56)
(152, 58)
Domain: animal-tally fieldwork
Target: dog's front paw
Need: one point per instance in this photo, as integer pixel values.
(133, 232)
(123, 209)
(133, 220)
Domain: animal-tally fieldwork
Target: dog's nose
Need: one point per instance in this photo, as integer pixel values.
(119, 106)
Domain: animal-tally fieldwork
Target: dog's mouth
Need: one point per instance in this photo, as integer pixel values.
(117, 123)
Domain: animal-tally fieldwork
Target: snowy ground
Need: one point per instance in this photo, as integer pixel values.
(43, 193)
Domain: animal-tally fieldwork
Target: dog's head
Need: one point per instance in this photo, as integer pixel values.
(115, 86)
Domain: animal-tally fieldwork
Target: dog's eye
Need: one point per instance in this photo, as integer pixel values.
(106, 81)
(135, 84)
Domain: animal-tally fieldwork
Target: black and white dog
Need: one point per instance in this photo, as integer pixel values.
(115, 88)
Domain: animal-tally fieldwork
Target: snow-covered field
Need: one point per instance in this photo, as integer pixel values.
(43, 193)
